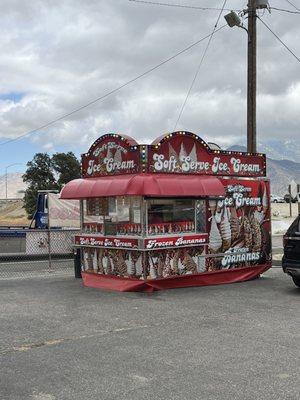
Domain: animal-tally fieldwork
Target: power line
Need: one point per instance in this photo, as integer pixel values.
(284, 10)
(293, 5)
(278, 38)
(199, 66)
(62, 117)
(154, 3)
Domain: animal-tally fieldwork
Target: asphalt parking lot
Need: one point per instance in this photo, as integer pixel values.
(60, 341)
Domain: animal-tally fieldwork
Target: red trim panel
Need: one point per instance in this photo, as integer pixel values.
(203, 279)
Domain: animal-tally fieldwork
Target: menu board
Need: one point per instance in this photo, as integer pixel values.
(97, 206)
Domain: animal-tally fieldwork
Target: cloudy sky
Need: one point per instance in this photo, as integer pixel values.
(57, 55)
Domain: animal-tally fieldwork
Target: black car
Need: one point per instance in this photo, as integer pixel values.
(291, 247)
(288, 198)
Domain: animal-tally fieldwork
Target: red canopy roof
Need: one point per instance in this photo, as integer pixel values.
(154, 185)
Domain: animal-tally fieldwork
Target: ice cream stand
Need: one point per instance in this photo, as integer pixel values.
(174, 213)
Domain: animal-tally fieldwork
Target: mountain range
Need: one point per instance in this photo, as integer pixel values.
(281, 149)
(283, 166)
(15, 186)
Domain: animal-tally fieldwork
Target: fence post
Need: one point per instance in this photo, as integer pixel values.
(49, 239)
(77, 263)
(49, 250)
(298, 198)
(290, 200)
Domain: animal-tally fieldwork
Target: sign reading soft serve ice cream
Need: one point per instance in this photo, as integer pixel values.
(174, 153)
(186, 153)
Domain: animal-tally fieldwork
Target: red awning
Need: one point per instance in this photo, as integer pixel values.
(154, 185)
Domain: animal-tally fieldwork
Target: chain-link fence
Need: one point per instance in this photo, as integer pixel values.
(26, 253)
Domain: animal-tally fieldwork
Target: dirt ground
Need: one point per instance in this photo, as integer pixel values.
(282, 210)
(12, 213)
(281, 217)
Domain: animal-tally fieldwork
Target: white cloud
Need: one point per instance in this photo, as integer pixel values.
(62, 54)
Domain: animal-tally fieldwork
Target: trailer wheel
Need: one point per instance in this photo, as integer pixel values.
(296, 280)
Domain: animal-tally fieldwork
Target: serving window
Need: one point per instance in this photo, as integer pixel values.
(180, 215)
(119, 215)
(124, 215)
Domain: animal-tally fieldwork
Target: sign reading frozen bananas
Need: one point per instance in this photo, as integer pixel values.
(176, 241)
(233, 257)
(240, 225)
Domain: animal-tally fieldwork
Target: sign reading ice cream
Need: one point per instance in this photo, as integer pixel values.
(111, 155)
(110, 165)
(240, 224)
(240, 196)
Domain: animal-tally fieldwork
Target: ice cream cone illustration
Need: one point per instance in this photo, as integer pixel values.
(167, 270)
(256, 234)
(259, 216)
(130, 265)
(172, 153)
(189, 263)
(95, 261)
(201, 264)
(153, 261)
(119, 263)
(265, 203)
(137, 262)
(211, 264)
(86, 260)
(225, 230)
(234, 225)
(118, 156)
(175, 260)
(215, 239)
(100, 263)
(213, 206)
(107, 265)
(218, 213)
(160, 267)
(247, 232)
(218, 216)
(180, 263)
(182, 153)
(193, 154)
(108, 154)
(90, 260)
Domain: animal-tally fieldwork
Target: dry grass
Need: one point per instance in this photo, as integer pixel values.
(12, 213)
(282, 210)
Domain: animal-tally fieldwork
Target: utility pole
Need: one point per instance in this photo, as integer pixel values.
(6, 183)
(233, 19)
(251, 87)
